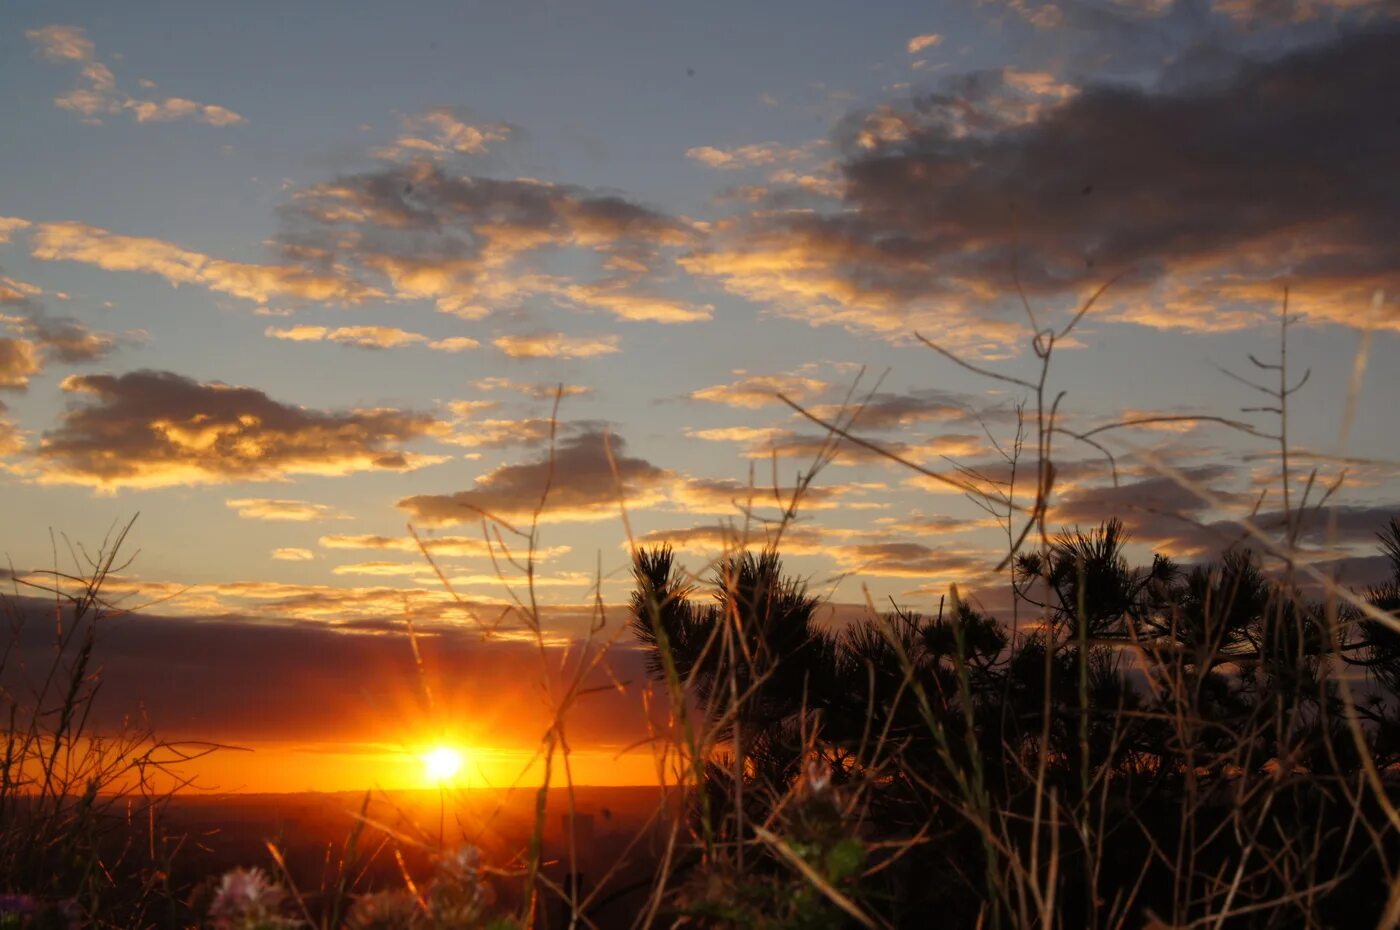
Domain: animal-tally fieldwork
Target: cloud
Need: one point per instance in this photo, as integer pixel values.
(154, 429)
(66, 339)
(613, 297)
(9, 225)
(12, 439)
(368, 337)
(1158, 510)
(712, 540)
(540, 390)
(442, 132)
(903, 559)
(60, 338)
(293, 555)
(267, 508)
(96, 93)
(756, 436)
(1004, 179)
(1271, 12)
(364, 686)
(556, 345)
(61, 43)
(454, 344)
(501, 434)
(754, 391)
(888, 411)
(445, 546)
(727, 496)
(921, 42)
(19, 361)
(1249, 14)
(475, 244)
(79, 242)
(945, 446)
(582, 484)
(751, 156)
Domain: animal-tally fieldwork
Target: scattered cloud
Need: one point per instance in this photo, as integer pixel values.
(446, 546)
(540, 390)
(12, 439)
(890, 411)
(454, 344)
(728, 496)
(1292, 12)
(443, 132)
(501, 434)
(904, 559)
(583, 481)
(920, 43)
(96, 93)
(267, 508)
(752, 156)
(556, 345)
(91, 245)
(1098, 185)
(754, 391)
(474, 244)
(9, 225)
(19, 361)
(154, 429)
(713, 540)
(291, 554)
(65, 339)
(369, 337)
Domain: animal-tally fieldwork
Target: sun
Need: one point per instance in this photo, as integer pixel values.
(441, 764)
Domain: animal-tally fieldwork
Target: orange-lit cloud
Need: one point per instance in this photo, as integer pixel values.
(446, 546)
(907, 559)
(714, 540)
(583, 485)
(9, 225)
(442, 132)
(751, 156)
(921, 42)
(538, 390)
(12, 439)
(727, 496)
(293, 554)
(473, 244)
(499, 434)
(366, 684)
(154, 429)
(79, 242)
(556, 345)
(267, 508)
(19, 361)
(96, 93)
(369, 337)
(841, 452)
(756, 436)
(637, 307)
(754, 391)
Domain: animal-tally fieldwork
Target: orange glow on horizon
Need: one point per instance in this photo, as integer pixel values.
(293, 767)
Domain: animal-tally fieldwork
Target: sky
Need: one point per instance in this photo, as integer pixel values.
(285, 281)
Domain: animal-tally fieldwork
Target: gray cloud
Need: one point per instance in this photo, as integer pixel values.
(582, 486)
(155, 428)
(1210, 194)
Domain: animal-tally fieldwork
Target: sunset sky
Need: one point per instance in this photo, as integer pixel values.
(285, 278)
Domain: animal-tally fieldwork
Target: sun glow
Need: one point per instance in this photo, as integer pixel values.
(442, 764)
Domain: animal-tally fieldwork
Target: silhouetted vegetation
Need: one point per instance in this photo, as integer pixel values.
(1152, 740)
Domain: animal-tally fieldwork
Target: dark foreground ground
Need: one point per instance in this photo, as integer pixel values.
(618, 835)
